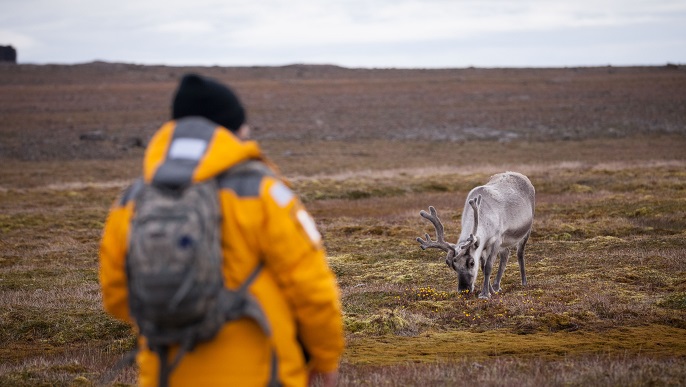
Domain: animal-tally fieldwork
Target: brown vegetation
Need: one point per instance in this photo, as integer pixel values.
(366, 150)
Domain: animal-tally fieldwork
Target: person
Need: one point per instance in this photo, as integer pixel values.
(263, 221)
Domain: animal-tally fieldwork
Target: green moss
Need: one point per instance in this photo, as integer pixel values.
(59, 326)
(674, 301)
(580, 188)
(396, 321)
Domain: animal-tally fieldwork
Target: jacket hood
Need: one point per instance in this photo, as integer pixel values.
(193, 149)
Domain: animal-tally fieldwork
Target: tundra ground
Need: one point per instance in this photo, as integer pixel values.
(606, 300)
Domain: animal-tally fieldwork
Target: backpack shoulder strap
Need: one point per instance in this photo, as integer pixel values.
(131, 192)
(239, 303)
(245, 178)
(248, 281)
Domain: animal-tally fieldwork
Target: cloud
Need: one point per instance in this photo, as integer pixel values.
(184, 27)
(304, 23)
(16, 39)
(401, 33)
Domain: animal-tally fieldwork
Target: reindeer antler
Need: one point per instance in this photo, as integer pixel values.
(440, 242)
(473, 239)
(475, 206)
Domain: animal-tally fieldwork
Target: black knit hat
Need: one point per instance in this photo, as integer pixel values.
(205, 97)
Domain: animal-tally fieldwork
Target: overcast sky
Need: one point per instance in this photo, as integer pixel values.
(354, 33)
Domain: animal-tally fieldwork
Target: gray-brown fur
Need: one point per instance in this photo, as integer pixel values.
(496, 217)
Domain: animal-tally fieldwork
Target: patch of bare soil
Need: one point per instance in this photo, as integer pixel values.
(108, 110)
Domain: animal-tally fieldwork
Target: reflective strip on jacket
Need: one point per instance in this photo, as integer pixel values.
(262, 220)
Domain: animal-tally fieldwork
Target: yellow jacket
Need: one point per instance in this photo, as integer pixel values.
(262, 221)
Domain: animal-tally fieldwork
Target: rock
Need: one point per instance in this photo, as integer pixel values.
(8, 54)
(96, 135)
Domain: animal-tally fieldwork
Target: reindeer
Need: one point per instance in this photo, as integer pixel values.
(496, 217)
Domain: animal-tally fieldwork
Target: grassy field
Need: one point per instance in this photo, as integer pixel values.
(366, 150)
(605, 304)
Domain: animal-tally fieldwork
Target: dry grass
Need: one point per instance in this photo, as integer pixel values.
(591, 370)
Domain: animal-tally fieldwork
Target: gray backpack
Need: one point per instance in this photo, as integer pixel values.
(174, 268)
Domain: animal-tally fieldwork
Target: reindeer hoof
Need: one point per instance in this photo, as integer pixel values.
(484, 296)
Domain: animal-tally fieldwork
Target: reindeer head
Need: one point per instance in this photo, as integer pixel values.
(460, 257)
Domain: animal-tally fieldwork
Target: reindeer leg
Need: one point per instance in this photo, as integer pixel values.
(520, 257)
(487, 268)
(504, 255)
